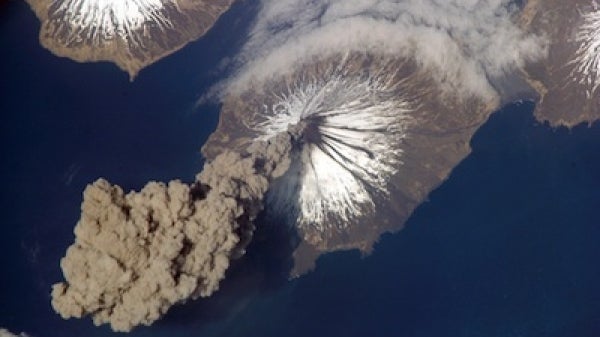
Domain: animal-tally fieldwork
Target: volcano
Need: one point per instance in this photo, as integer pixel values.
(377, 134)
(568, 80)
(131, 33)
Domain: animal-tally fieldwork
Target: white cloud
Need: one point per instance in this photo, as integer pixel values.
(464, 43)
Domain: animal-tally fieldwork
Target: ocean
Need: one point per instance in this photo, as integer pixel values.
(507, 246)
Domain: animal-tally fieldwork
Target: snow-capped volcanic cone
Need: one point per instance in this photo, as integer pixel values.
(568, 81)
(377, 135)
(130, 33)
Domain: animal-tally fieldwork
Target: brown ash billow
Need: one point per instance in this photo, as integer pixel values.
(137, 254)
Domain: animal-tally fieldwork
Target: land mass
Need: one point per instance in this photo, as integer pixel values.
(567, 86)
(439, 125)
(130, 34)
(432, 139)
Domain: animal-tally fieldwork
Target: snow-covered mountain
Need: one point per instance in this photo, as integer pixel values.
(130, 33)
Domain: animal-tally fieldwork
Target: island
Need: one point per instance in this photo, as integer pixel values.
(130, 33)
(380, 132)
(377, 135)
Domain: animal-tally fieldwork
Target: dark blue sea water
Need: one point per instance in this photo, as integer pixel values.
(508, 246)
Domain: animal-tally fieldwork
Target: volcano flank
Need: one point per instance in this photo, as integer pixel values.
(568, 81)
(378, 133)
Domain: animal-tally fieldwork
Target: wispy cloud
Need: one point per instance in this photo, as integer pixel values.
(464, 43)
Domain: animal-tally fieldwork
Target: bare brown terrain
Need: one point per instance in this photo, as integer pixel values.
(132, 35)
(441, 127)
(567, 97)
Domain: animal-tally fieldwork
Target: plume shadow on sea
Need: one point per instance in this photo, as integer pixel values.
(264, 268)
(268, 260)
(153, 99)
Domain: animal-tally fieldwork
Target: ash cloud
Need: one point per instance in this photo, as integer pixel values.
(137, 254)
(463, 43)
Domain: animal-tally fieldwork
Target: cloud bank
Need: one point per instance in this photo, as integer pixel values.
(465, 43)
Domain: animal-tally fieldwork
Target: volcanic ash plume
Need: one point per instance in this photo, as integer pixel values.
(137, 254)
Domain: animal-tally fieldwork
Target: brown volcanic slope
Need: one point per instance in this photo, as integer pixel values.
(433, 138)
(131, 33)
(567, 94)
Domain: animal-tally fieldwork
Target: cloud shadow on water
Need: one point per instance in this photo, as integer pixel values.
(264, 268)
